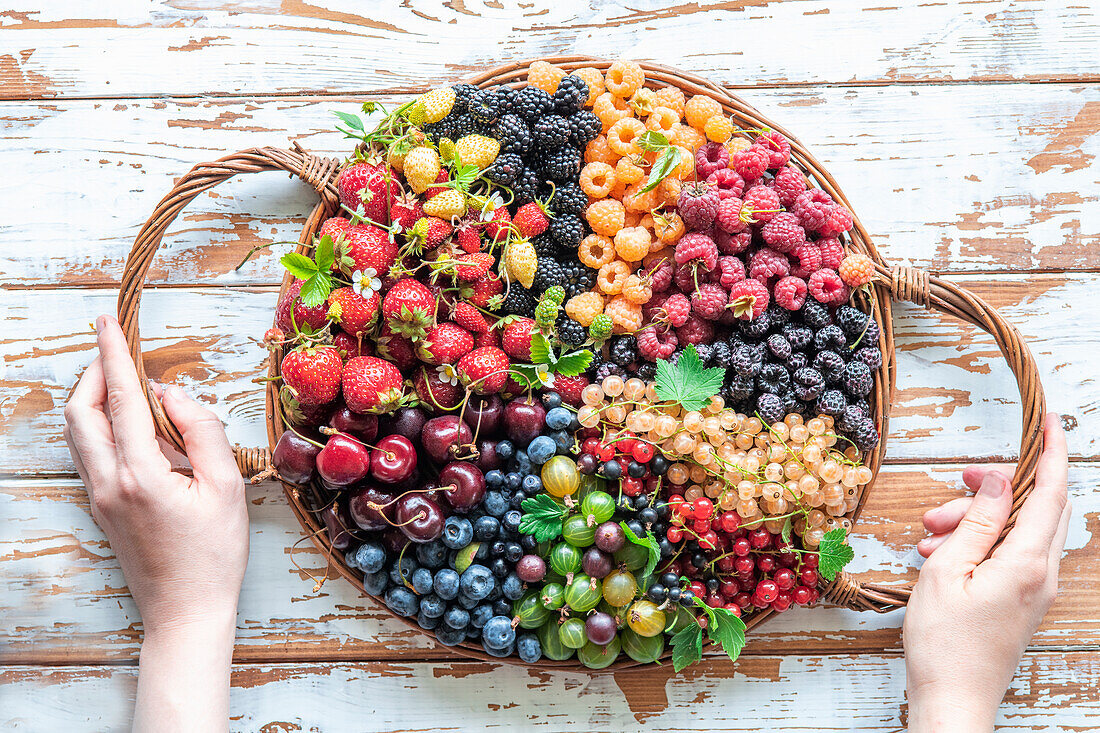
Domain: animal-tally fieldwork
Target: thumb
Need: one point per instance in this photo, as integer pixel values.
(208, 449)
(972, 540)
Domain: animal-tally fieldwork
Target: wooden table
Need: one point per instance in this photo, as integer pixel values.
(965, 136)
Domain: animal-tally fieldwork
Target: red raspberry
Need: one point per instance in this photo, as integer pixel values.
(730, 270)
(728, 216)
(654, 344)
(675, 310)
(837, 221)
(790, 293)
(766, 263)
(695, 331)
(783, 232)
(659, 275)
(857, 270)
(750, 163)
(697, 205)
(777, 147)
(811, 207)
(710, 158)
(709, 301)
(748, 299)
(764, 202)
(570, 388)
(731, 244)
(832, 252)
(698, 250)
(686, 277)
(727, 182)
(827, 287)
(789, 183)
(808, 255)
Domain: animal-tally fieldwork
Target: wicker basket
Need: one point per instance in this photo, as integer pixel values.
(893, 283)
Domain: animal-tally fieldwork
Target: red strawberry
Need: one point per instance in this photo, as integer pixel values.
(372, 385)
(469, 318)
(366, 185)
(349, 346)
(497, 226)
(489, 338)
(570, 388)
(445, 343)
(433, 392)
(300, 414)
(486, 289)
(429, 232)
(355, 313)
(472, 267)
(273, 337)
(434, 191)
(366, 247)
(312, 374)
(313, 316)
(484, 370)
(406, 211)
(409, 308)
(468, 238)
(530, 220)
(336, 227)
(515, 386)
(398, 349)
(516, 339)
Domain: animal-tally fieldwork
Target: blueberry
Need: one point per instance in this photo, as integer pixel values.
(505, 652)
(505, 449)
(401, 601)
(494, 503)
(421, 581)
(494, 479)
(532, 484)
(457, 532)
(563, 441)
(528, 648)
(476, 582)
(445, 584)
(466, 602)
(482, 552)
(432, 554)
(516, 500)
(558, 418)
(551, 400)
(511, 520)
(375, 583)
(449, 636)
(513, 552)
(512, 587)
(370, 557)
(528, 542)
(542, 449)
(427, 622)
(497, 549)
(498, 633)
(485, 528)
(513, 481)
(499, 568)
(456, 618)
(473, 633)
(523, 462)
(402, 570)
(501, 607)
(481, 615)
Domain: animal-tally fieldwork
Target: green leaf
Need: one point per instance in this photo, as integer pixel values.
(542, 517)
(465, 175)
(649, 542)
(350, 120)
(316, 289)
(652, 140)
(688, 381)
(528, 372)
(299, 265)
(570, 365)
(660, 170)
(785, 533)
(833, 554)
(325, 254)
(687, 646)
(728, 631)
(541, 353)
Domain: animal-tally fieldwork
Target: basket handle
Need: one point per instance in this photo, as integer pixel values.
(318, 172)
(917, 286)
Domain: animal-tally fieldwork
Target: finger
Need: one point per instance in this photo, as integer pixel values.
(973, 475)
(208, 449)
(980, 527)
(1041, 514)
(87, 430)
(1059, 542)
(928, 545)
(130, 416)
(946, 517)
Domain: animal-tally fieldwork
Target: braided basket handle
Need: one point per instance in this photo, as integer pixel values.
(318, 172)
(916, 286)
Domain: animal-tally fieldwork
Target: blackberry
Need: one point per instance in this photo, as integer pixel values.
(562, 165)
(513, 134)
(757, 327)
(735, 342)
(830, 337)
(579, 279)
(865, 435)
(550, 132)
(850, 419)
(746, 361)
(569, 199)
(808, 384)
(464, 125)
(571, 94)
(797, 360)
(570, 332)
(548, 272)
(773, 379)
(720, 354)
(703, 352)
(869, 336)
(544, 245)
(484, 106)
(623, 350)
(738, 389)
(519, 301)
(463, 94)
(779, 347)
(584, 127)
(567, 230)
(606, 369)
(851, 320)
(530, 103)
(856, 379)
(798, 336)
(505, 169)
(778, 316)
(830, 364)
(799, 406)
(647, 370)
(869, 355)
(831, 402)
(526, 187)
(771, 408)
(814, 314)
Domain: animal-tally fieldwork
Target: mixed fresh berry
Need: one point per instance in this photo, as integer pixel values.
(577, 369)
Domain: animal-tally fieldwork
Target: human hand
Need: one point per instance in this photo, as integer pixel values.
(970, 618)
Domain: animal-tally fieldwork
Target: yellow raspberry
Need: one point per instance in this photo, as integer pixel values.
(632, 243)
(597, 179)
(619, 191)
(624, 78)
(593, 77)
(688, 137)
(632, 219)
(446, 204)
(669, 227)
(685, 169)
(643, 101)
(596, 250)
(605, 216)
(421, 167)
(701, 108)
(737, 144)
(610, 109)
(663, 120)
(544, 76)
(638, 202)
(669, 191)
(584, 308)
(622, 135)
(627, 172)
(521, 261)
(658, 254)
(598, 151)
(478, 150)
(718, 129)
(626, 316)
(611, 276)
(673, 98)
(436, 104)
(637, 290)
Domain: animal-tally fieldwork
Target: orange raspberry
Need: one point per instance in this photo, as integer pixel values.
(685, 169)
(663, 120)
(673, 98)
(610, 109)
(856, 270)
(597, 179)
(584, 308)
(637, 290)
(699, 109)
(596, 250)
(688, 137)
(635, 201)
(632, 243)
(718, 129)
(627, 172)
(657, 254)
(619, 191)
(622, 134)
(669, 227)
(605, 216)
(626, 316)
(611, 277)
(594, 79)
(737, 144)
(669, 191)
(632, 219)
(544, 76)
(598, 151)
(624, 78)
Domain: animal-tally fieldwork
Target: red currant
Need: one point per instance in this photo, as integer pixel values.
(685, 510)
(729, 521)
(760, 538)
(726, 563)
(674, 534)
(765, 563)
(652, 483)
(733, 608)
(703, 507)
(698, 589)
(743, 600)
(729, 589)
(701, 526)
(590, 445)
(708, 540)
(744, 564)
(741, 547)
(605, 453)
(643, 452)
(626, 442)
(784, 578)
(632, 486)
(715, 601)
(782, 602)
(810, 560)
(801, 595)
(808, 577)
(767, 590)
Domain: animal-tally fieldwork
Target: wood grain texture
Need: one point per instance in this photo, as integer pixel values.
(289, 46)
(1010, 188)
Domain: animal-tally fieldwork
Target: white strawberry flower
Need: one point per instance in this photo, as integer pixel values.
(447, 374)
(491, 203)
(542, 371)
(365, 282)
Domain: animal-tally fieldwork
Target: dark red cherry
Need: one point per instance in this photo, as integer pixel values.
(294, 457)
(523, 420)
(363, 426)
(485, 412)
(371, 508)
(419, 518)
(487, 458)
(407, 421)
(343, 460)
(394, 540)
(338, 524)
(441, 434)
(393, 459)
(464, 485)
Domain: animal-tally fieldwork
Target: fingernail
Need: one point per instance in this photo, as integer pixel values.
(99, 323)
(993, 485)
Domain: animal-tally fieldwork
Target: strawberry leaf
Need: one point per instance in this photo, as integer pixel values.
(570, 365)
(316, 289)
(833, 554)
(352, 121)
(688, 381)
(325, 254)
(542, 517)
(541, 353)
(527, 375)
(299, 265)
(687, 646)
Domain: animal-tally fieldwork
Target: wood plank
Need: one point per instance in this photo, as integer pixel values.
(66, 600)
(164, 48)
(951, 380)
(1050, 691)
(1009, 189)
